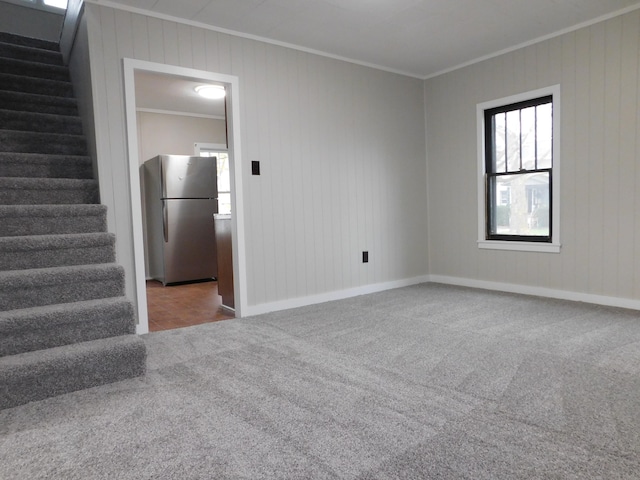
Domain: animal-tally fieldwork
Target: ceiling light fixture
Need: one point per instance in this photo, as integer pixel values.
(212, 92)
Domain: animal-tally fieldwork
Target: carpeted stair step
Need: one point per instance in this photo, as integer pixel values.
(34, 69)
(6, 37)
(30, 329)
(30, 54)
(50, 286)
(20, 220)
(40, 86)
(39, 122)
(35, 165)
(53, 143)
(45, 373)
(43, 251)
(47, 191)
(31, 102)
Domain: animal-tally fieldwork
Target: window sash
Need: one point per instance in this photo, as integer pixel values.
(491, 213)
(506, 168)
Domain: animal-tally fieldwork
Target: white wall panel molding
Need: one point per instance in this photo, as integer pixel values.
(334, 295)
(538, 291)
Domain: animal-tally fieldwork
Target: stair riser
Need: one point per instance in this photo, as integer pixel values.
(27, 333)
(55, 144)
(25, 102)
(56, 258)
(38, 86)
(52, 169)
(32, 122)
(34, 70)
(49, 197)
(47, 294)
(29, 54)
(29, 225)
(23, 384)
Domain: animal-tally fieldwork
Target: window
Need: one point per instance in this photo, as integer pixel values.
(56, 6)
(224, 180)
(518, 185)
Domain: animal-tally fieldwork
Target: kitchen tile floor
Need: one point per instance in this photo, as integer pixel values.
(183, 305)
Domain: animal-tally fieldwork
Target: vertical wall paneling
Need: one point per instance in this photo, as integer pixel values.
(341, 148)
(636, 251)
(199, 51)
(211, 51)
(611, 161)
(628, 175)
(597, 68)
(185, 47)
(156, 40)
(571, 211)
(170, 42)
(596, 154)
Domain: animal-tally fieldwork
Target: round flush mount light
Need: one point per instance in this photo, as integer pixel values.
(212, 92)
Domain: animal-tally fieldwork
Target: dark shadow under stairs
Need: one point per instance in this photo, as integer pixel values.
(65, 324)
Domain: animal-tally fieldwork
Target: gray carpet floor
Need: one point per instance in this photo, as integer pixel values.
(422, 382)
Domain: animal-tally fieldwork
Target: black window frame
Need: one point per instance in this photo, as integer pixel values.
(489, 156)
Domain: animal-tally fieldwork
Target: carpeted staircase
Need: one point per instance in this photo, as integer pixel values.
(65, 324)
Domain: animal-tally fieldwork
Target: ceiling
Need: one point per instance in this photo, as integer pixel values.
(417, 37)
(168, 93)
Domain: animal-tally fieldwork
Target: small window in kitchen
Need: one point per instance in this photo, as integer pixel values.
(224, 179)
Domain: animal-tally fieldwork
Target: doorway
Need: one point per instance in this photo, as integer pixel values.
(136, 158)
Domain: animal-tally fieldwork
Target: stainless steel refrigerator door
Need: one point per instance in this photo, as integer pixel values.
(188, 177)
(189, 240)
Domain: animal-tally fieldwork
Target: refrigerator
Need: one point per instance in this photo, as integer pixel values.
(180, 202)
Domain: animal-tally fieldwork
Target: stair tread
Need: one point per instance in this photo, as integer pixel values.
(45, 183)
(10, 316)
(40, 374)
(37, 85)
(74, 210)
(37, 328)
(16, 120)
(31, 69)
(41, 55)
(27, 360)
(61, 241)
(14, 39)
(52, 274)
(22, 101)
(44, 157)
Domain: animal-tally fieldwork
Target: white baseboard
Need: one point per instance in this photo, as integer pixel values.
(539, 291)
(330, 296)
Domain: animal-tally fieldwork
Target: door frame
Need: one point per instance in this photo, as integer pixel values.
(231, 83)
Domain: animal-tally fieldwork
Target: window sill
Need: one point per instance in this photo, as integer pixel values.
(519, 246)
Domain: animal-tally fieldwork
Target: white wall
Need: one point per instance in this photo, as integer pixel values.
(170, 134)
(77, 48)
(597, 68)
(30, 22)
(341, 148)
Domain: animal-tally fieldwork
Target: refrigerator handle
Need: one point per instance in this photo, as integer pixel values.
(165, 222)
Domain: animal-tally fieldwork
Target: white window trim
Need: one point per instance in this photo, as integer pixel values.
(483, 243)
(218, 147)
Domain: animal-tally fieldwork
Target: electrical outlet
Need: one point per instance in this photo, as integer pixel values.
(365, 257)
